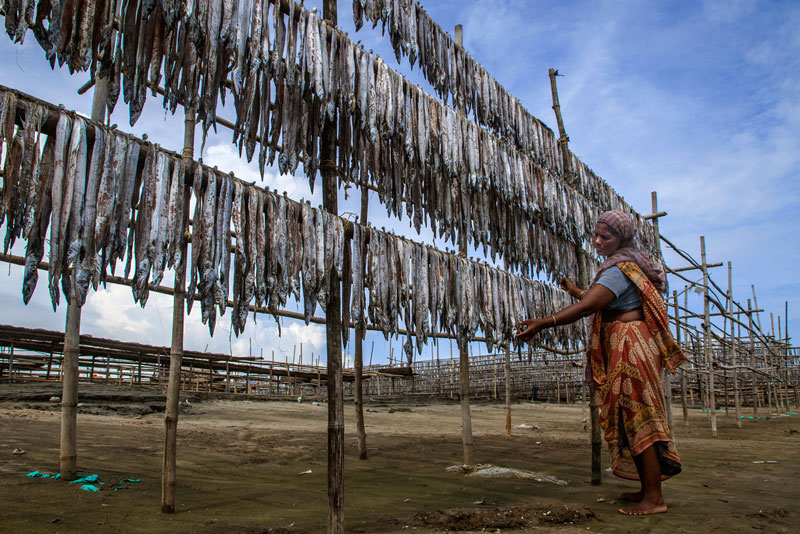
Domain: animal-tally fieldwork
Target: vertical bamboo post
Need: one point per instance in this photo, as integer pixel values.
(583, 405)
(751, 350)
(69, 392)
(494, 378)
(68, 461)
(709, 357)
(786, 353)
(463, 345)
(11, 363)
(767, 365)
(734, 355)
(666, 377)
(333, 327)
(49, 365)
(358, 363)
(684, 406)
(507, 372)
(169, 469)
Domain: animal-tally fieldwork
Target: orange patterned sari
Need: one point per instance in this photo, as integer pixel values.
(626, 362)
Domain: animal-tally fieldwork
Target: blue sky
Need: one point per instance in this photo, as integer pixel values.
(695, 100)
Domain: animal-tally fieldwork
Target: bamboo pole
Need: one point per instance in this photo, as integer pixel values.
(751, 350)
(770, 385)
(734, 356)
(507, 372)
(684, 406)
(666, 376)
(169, 469)
(11, 363)
(69, 392)
(709, 357)
(69, 395)
(594, 407)
(358, 362)
(463, 345)
(333, 328)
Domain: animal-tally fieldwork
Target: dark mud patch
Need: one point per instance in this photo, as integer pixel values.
(513, 517)
(776, 515)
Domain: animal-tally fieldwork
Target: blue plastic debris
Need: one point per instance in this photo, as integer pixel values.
(40, 474)
(89, 487)
(90, 478)
(130, 480)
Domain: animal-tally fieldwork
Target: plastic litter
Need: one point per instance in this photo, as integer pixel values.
(122, 484)
(89, 487)
(306, 472)
(493, 471)
(90, 479)
(38, 474)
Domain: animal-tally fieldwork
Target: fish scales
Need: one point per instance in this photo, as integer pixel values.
(174, 223)
(144, 222)
(34, 250)
(252, 252)
(11, 183)
(225, 247)
(30, 162)
(90, 262)
(260, 252)
(63, 134)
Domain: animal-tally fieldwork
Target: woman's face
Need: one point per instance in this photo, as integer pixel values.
(605, 243)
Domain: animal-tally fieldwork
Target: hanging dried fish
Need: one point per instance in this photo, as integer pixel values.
(90, 264)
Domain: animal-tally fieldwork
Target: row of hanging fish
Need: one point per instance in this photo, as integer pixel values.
(456, 75)
(453, 72)
(98, 197)
(421, 156)
(82, 183)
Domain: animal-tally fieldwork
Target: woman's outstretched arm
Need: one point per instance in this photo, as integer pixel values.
(594, 300)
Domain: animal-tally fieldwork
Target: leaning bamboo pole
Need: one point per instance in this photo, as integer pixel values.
(594, 407)
(169, 468)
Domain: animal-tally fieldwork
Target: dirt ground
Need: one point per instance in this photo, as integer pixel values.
(241, 466)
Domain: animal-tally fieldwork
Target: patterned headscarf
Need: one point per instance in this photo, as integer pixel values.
(620, 224)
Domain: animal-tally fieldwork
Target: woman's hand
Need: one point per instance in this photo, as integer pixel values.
(569, 286)
(529, 328)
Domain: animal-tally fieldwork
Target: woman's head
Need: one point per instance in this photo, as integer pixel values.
(613, 236)
(613, 230)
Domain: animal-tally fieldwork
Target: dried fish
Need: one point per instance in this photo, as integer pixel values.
(34, 250)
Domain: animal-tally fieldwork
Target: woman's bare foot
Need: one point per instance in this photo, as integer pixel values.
(644, 507)
(631, 496)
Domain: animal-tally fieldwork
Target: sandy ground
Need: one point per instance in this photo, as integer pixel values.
(240, 465)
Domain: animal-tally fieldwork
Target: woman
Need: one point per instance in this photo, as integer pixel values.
(629, 341)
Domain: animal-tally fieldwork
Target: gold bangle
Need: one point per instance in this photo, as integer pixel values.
(554, 320)
(582, 294)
